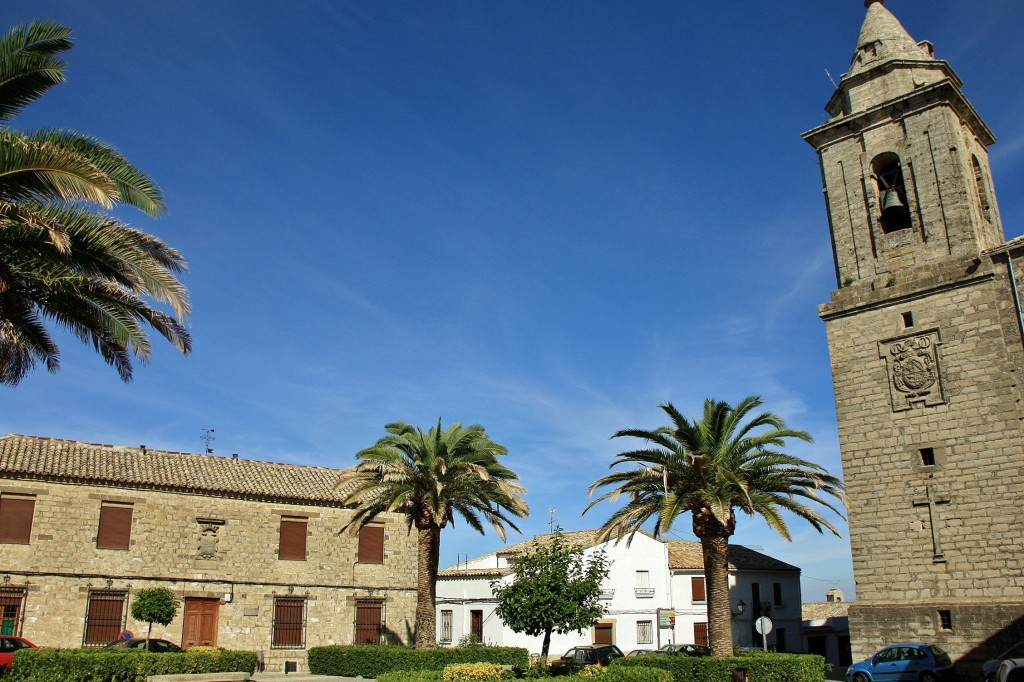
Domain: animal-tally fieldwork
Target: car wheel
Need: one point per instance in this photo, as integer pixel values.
(928, 677)
(861, 677)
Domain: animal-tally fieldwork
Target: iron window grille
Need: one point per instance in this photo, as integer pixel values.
(12, 610)
(288, 627)
(446, 626)
(105, 617)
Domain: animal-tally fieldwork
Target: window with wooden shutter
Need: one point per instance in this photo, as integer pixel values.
(12, 611)
(700, 634)
(16, 518)
(115, 530)
(292, 545)
(289, 628)
(697, 588)
(371, 545)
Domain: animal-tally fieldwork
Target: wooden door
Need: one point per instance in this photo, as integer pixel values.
(603, 633)
(476, 624)
(200, 622)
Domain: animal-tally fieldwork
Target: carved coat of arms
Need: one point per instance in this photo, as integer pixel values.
(913, 368)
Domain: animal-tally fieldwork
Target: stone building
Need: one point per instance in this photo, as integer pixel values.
(925, 336)
(254, 550)
(654, 595)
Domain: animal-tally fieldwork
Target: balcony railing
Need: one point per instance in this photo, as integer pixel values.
(606, 594)
(643, 592)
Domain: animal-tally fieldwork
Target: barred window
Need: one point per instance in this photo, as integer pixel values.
(12, 610)
(369, 621)
(289, 626)
(700, 633)
(446, 626)
(644, 632)
(104, 616)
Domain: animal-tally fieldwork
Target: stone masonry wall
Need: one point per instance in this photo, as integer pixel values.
(957, 554)
(204, 547)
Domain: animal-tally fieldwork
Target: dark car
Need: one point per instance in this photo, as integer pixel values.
(8, 645)
(908, 662)
(157, 646)
(641, 652)
(988, 670)
(579, 657)
(1011, 670)
(688, 649)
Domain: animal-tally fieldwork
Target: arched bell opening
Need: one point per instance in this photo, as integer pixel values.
(892, 192)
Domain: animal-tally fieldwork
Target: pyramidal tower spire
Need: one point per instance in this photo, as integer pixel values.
(883, 38)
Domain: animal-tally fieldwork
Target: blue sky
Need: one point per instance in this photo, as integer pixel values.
(545, 217)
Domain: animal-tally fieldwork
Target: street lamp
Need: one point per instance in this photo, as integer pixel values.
(741, 606)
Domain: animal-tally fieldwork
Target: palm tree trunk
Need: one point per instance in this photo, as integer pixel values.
(715, 549)
(429, 555)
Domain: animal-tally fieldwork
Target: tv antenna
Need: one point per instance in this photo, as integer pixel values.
(551, 519)
(208, 438)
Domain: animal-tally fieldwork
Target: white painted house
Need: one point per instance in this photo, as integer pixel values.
(654, 595)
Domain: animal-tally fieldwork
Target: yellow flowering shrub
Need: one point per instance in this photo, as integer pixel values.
(472, 672)
(591, 671)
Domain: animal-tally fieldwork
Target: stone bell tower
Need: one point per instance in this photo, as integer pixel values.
(925, 337)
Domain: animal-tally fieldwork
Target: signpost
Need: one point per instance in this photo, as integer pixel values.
(763, 625)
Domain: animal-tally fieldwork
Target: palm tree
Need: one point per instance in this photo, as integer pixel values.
(63, 257)
(728, 459)
(430, 477)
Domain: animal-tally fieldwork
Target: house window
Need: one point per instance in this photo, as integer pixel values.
(777, 594)
(946, 620)
(476, 624)
(12, 610)
(289, 626)
(369, 619)
(780, 640)
(700, 633)
(292, 544)
(697, 589)
(644, 632)
(446, 626)
(927, 457)
(643, 578)
(16, 518)
(115, 526)
(104, 616)
(755, 598)
(371, 544)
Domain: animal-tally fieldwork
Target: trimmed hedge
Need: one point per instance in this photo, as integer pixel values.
(609, 674)
(91, 665)
(373, 660)
(760, 667)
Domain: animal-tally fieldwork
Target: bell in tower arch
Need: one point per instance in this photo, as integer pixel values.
(892, 192)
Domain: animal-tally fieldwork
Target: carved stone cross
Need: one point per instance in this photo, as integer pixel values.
(932, 502)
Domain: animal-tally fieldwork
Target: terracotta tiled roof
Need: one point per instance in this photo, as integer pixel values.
(820, 610)
(683, 554)
(30, 457)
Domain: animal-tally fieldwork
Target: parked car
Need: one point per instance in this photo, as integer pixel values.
(157, 646)
(8, 645)
(1011, 670)
(641, 652)
(907, 662)
(991, 666)
(580, 656)
(688, 649)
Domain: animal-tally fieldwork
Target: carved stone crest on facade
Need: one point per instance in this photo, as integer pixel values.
(913, 369)
(209, 539)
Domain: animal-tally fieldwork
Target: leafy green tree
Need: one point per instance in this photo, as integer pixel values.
(64, 257)
(155, 605)
(728, 459)
(555, 588)
(431, 477)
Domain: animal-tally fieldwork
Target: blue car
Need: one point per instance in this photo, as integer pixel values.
(911, 662)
